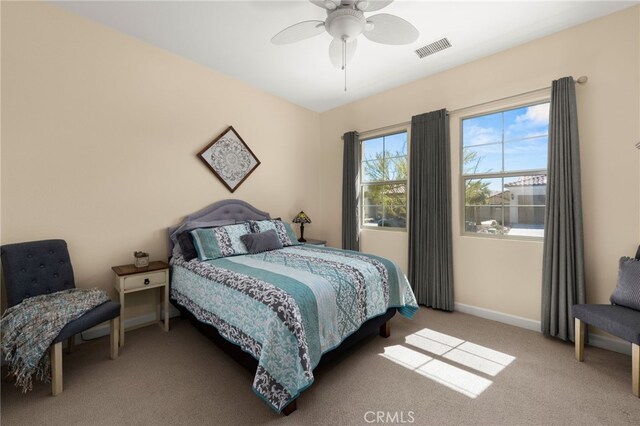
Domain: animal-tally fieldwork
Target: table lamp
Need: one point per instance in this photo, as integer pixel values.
(301, 218)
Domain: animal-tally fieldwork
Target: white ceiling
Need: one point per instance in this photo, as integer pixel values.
(234, 37)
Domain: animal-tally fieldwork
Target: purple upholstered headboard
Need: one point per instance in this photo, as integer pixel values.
(218, 213)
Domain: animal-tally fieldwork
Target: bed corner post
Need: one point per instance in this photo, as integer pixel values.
(293, 405)
(385, 330)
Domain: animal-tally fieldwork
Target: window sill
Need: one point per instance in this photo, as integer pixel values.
(502, 237)
(383, 229)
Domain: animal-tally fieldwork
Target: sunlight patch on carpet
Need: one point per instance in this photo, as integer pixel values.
(437, 355)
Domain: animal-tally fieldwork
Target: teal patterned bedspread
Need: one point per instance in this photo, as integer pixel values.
(287, 307)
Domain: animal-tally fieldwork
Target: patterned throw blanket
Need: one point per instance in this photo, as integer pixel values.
(288, 307)
(29, 328)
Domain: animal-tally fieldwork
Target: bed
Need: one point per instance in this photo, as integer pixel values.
(280, 312)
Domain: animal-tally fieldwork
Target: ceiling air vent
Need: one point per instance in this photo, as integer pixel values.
(432, 48)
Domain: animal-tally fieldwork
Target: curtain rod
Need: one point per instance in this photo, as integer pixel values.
(581, 80)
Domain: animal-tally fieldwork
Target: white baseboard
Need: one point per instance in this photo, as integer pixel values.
(610, 343)
(597, 340)
(132, 323)
(521, 322)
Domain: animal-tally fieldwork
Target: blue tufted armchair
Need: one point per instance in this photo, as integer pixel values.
(39, 267)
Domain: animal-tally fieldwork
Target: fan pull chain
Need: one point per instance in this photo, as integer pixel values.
(344, 61)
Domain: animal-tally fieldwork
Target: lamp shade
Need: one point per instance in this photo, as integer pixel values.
(301, 218)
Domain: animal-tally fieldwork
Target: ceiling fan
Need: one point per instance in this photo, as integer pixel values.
(345, 22)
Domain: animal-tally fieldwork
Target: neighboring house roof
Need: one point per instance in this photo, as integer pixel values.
(535, 180)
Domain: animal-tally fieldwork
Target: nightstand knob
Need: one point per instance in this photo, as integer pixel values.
(146, 281)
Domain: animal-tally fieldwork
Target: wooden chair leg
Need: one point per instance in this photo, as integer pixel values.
(56, 369)
(385, 330)
(635, 369)
(115, 337)
(580, 329)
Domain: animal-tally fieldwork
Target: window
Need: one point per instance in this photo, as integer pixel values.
(504, 171)
(384, 181)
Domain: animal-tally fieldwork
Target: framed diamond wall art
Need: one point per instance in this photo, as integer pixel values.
(229, 158)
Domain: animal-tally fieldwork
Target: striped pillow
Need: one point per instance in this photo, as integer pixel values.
(285, 234)
(224, 241)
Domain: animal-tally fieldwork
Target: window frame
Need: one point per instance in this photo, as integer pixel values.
(361, 184)
(497, 108)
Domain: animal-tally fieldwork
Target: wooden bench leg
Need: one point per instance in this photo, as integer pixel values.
(385, 330)
(580, 329)
(635, 369)
(56, 369)
(115, 337)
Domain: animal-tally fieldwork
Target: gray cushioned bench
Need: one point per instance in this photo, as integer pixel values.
(618, 320)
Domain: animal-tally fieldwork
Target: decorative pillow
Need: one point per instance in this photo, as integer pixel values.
(188, 226)
(224, 241)
(185, 241)
(285, 234)
(627, 292)
(262, 241)
(292, 235)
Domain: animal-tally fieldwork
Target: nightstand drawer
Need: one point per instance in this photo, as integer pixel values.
(144, 280)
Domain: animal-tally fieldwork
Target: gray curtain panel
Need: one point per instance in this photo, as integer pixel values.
(563, 256)
(351, 192)
(430, 250)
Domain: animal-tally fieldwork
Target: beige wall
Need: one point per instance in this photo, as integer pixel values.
(100, 131)
(100, 134)
(505, 275)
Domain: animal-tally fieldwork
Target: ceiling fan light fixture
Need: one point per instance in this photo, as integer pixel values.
(345, 23)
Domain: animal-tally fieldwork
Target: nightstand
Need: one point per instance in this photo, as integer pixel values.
(130, 279)
(313, 242)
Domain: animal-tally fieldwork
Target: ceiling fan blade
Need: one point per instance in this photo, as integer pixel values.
(326, 4)
(390, 29)
(372, 5)
(335, 51)
(298, 32)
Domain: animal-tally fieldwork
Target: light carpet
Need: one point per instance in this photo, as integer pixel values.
(437, 369)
